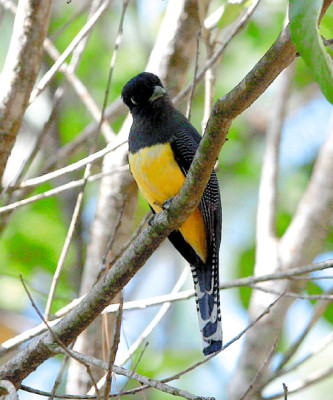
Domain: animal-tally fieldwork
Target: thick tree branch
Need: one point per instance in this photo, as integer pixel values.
(20, 70)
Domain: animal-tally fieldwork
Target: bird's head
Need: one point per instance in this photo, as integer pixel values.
(142, 92)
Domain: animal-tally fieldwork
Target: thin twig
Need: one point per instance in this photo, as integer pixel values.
(67, 243)
(295, 295)
(134, 368)
(108, 249)
(209, 91)
(131, 239)
(33, 182)
(314, 351)
(237, 28)
(303, 384)
(66, 350)
(115, 51)
(10, 389)
(152, 325)
(237, 337)
(260, 370)
(157, 300)
(46, 79)
(78, 86)
(76, 83)
(88, 167)
(113, 350)
(59, 377)
(148, 382)
(60, 189)
(155, 321)
(190, 100)
(318, 311)
(73, 18)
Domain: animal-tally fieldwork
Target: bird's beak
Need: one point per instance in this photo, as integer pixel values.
(157, 93)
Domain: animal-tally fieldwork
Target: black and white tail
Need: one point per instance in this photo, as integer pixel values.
(206, 285)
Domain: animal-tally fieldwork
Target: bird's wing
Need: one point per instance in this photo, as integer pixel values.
(184, 145)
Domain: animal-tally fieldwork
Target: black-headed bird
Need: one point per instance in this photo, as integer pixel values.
(162, 144)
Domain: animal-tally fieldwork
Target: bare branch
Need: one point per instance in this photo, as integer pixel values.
(208, 64)
(303, 384)
(328, 297)
(20, 70)
(190, 100)
(156, 320)
(60, 189)
(141, 304)
(237, 337)
(319, 347)
(66, 350)
(60, 375)
(75, 42)
(135, 366)
(10, 389)
(33, 182)
(151, 383)
(68, 71)
(260, 370)
(113, 350)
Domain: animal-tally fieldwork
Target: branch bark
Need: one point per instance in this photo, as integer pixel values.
(21, 67)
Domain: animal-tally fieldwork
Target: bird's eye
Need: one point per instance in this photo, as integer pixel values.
(133, 101)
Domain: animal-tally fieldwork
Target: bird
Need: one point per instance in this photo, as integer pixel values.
(162, 144)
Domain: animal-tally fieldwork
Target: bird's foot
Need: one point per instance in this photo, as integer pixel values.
(167, 203)
(151, 220)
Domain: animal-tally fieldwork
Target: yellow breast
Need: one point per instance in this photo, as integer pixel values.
(159, 178)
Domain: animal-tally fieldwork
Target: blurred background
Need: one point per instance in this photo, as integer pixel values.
(32, 236)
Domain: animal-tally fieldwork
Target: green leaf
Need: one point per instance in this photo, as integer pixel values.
(306, 37)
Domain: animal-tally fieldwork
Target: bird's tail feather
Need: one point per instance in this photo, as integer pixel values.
(206, 285)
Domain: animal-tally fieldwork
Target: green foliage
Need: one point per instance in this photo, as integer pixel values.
(305, 34)
(30, 247)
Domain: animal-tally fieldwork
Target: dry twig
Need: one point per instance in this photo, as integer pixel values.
(66, 350)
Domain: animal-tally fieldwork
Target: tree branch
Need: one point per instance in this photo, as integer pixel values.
(13, 343)
(21, 67)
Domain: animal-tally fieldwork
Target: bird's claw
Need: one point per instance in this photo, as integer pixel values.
(151, 220)
(167, 203)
